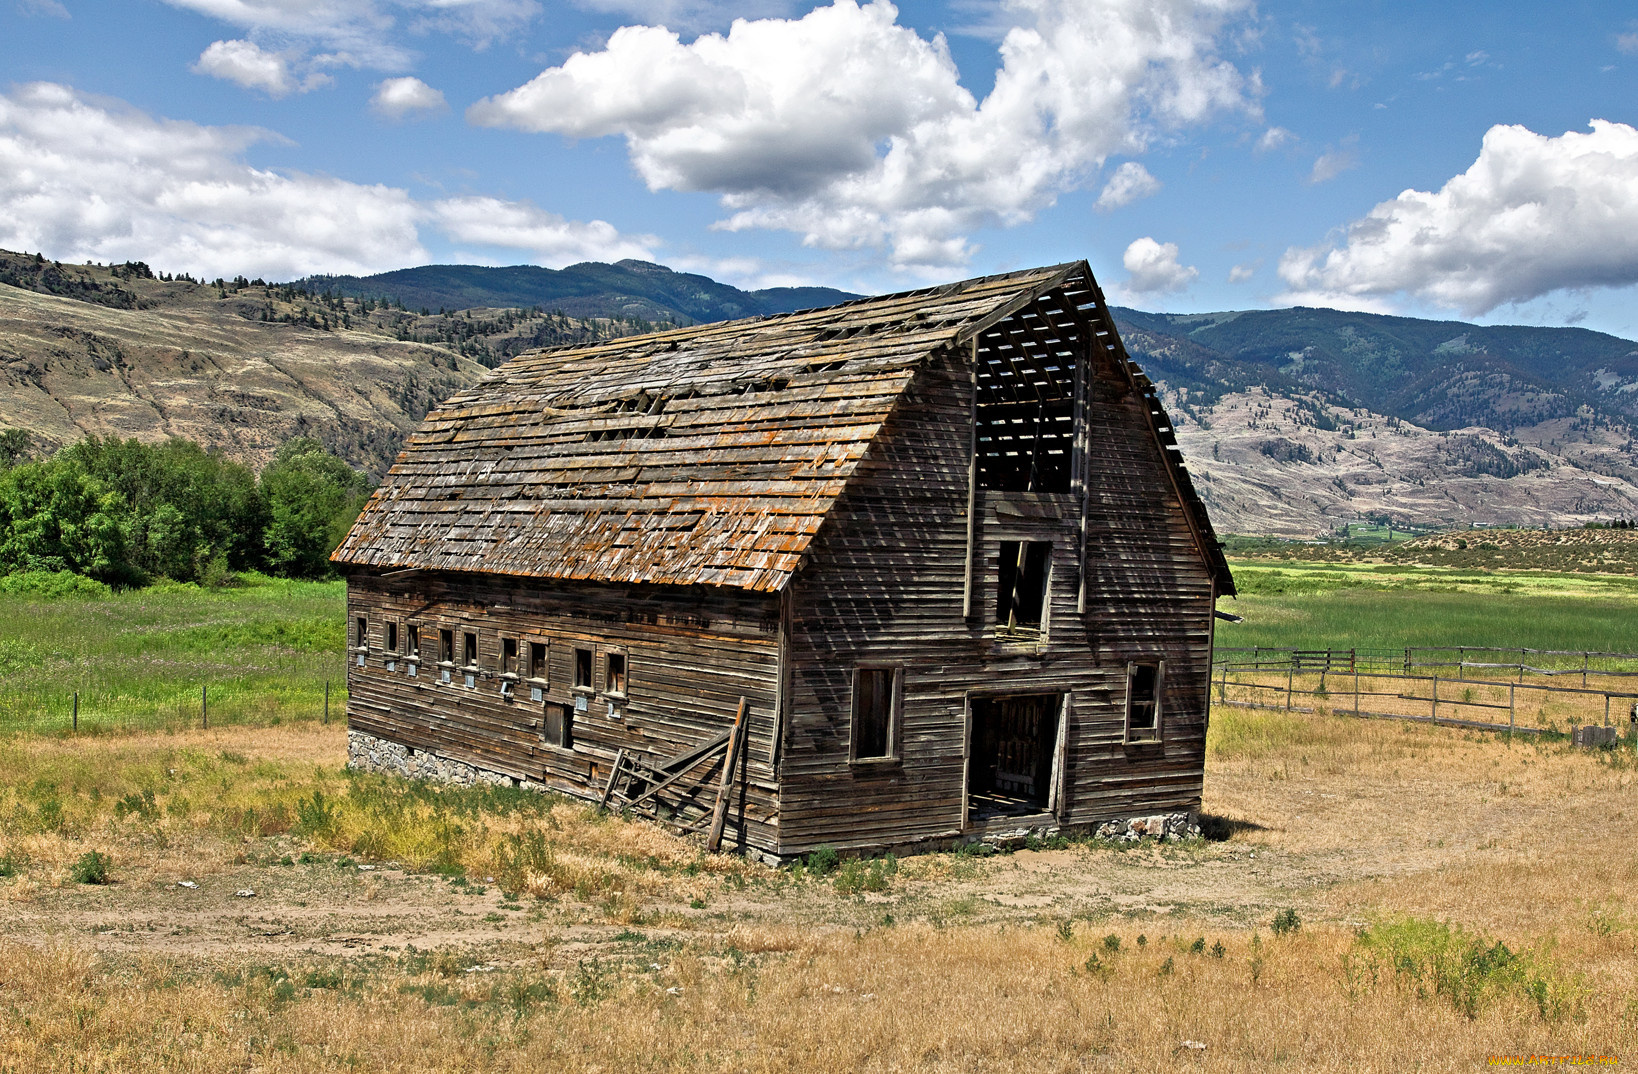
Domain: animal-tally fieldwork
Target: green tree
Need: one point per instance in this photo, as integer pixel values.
(56, 517)
(312, 500)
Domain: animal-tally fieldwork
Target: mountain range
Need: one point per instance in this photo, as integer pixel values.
(1293, 421)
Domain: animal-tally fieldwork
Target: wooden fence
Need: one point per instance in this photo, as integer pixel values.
(1538, 691)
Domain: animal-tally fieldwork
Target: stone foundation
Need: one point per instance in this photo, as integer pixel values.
(1170, 827)
(367, 753)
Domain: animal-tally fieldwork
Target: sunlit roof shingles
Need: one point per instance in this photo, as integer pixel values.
(763, 424)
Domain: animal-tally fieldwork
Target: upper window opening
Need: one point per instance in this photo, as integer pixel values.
(537, 660)
(414, 641)
(616, 677)
(875, 712)
(1021, 588)
(361, 632)
(392, 637)
(583, 669)
(509, 656)
(446, 646)
(469, 650)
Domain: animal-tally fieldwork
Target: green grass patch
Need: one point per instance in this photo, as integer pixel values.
(1468, 970)
(1341, 606)
(139, 658)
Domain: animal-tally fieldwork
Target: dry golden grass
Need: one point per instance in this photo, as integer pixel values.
(1437, 844)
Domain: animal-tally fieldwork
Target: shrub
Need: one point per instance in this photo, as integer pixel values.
(823, 861)
(1111, 942)
(1286, 921)
(92, 868)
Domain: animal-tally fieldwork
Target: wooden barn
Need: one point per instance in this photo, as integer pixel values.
(903, 572)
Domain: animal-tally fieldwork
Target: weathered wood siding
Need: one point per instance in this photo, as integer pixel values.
(691, 654)
(884, 584)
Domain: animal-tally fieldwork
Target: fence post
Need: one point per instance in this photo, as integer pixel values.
(1407, 660)
(1356, 689)
(1521, 665)
(1606, 710)
(1585, 658)
(1290, 670)
(204, 706)
(326, 702)
(1436, 696)
(76, 711)
(1510, 689)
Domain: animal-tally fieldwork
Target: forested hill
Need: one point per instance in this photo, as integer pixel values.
(1292, 421)
(630, 290)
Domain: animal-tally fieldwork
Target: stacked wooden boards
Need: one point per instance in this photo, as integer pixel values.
(758, 509)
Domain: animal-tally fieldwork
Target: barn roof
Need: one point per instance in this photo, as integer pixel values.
(706, 455)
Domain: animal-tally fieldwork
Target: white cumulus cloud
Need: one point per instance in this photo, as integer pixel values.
(252, 67)
(400, 97)
(1155, 268)
(1533, 214)
(84, 178)
(550, 238)
(1242, 273)
(1131, 182)
(1273, 138)
(855, 131)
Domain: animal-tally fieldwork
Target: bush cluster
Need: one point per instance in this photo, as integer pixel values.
(126, 513)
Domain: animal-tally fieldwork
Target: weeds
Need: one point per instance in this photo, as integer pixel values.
(1285, 922)
(92, 868)
(1469, 971)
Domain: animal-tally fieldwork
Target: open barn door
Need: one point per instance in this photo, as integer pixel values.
(1010, 766)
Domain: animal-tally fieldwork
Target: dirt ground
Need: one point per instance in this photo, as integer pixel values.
(1341, 823)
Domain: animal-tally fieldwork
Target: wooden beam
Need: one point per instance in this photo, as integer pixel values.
(972, 491)
(719, 814)
(614, 773)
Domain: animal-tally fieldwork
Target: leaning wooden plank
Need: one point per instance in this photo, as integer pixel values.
(614, 774)
(669, 780)
(719, 815)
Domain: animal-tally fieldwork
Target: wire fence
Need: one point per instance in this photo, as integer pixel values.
(1591, 695)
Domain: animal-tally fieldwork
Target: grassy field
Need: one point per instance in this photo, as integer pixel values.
(139, 658)
(1372, 896)
(1362, 605)
(263, 910)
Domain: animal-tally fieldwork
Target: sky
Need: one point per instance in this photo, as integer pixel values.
(1465, 161)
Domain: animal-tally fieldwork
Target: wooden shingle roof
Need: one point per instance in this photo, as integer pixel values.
(706, 455)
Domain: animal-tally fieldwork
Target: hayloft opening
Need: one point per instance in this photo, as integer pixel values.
(1021, 585)
(1009, 769)
(1026, 401)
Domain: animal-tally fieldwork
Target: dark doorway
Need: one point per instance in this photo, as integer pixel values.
(1009, 769)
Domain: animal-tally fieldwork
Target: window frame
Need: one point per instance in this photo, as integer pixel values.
(509, 658)
(589, 686)
(544, 665)
(895, 715)
(361, 632)
(1006, 608)
(609, 657)
(412, 642)
(1152, 734)
(392, 636)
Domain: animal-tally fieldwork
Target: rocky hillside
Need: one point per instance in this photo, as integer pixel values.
(240, 367)
(1296, 421)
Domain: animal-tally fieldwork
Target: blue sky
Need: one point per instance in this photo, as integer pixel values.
(1434, 160)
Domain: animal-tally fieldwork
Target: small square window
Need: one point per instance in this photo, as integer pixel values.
(469, 649)
(616, 673)
(583, 669)
(875, 712)
(1143, 686)
(537, 660)
(557, 726)
(509, 656)
(392, 637)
